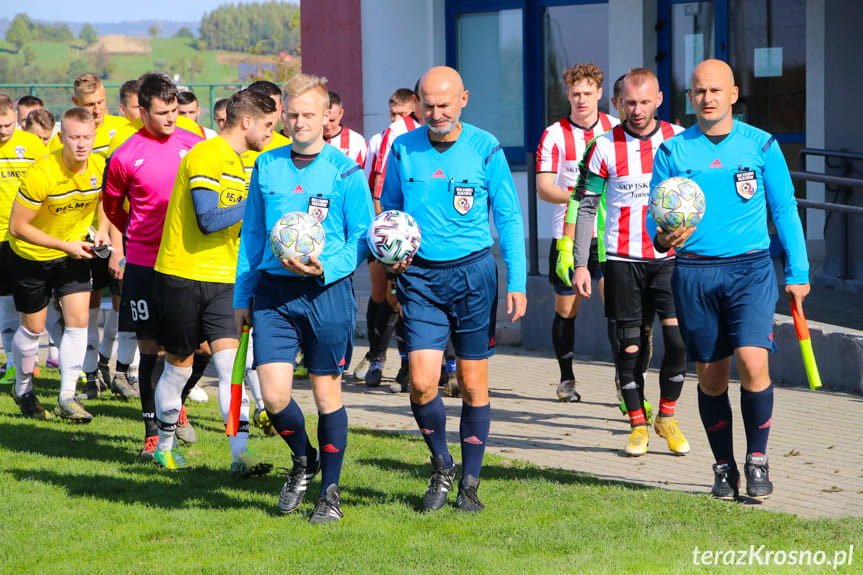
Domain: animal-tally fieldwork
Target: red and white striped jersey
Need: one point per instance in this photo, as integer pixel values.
(396, 129)
(352, 144)
(625, 162)
(560, 150)
(372, 157)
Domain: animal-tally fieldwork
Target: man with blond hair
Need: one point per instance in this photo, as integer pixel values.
(618, 165)
(48, 226)
(557, 158)
(304, 304)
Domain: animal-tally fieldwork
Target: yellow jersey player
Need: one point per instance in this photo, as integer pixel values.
(195, 268)
(18, 151)
(50, 218)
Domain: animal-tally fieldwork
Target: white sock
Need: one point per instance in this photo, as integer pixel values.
(252, 379)
(91, 354)
(168, 402)
(127, 345)
(224, 362)
(25, 346)
(53, 351)
(54, 324)
(109, 334)
(72, 351)
(9, 322)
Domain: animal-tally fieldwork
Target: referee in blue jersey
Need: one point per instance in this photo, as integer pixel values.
(724, 284)
(450, 175)
(309, 305)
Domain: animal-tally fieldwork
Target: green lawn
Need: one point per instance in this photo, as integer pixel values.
(76, 499)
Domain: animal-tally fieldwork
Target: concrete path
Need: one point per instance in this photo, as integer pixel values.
(815, 449)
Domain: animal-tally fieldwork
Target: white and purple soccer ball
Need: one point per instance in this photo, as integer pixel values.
(677, 202)
(297, 235)
(393, 236)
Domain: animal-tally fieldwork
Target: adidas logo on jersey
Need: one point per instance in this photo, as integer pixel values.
(298, 190)
(438, 174)
(716, 164)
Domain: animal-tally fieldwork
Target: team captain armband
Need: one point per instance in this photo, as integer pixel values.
(589, 184)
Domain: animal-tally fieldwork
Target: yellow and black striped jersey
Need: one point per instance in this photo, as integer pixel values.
(17, 155)
(104, 133)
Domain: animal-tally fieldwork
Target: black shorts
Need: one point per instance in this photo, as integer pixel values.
(35, 282)
(102, 275)
(593, 267)
(189, 312)
(136, 303)
(5, 272)
(632, 289)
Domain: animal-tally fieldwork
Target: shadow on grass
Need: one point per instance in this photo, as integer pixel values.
(201, 487)
(63, 439)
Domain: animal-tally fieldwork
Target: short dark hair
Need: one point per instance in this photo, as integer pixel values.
(127, 89)
(247, 102)
(264, 87)
(402, 96)
(335, 100)
(6, 104)
(40, 116)
(156, 86)
(31, 101)
(220, 104)
(618, 86)
(186, 97)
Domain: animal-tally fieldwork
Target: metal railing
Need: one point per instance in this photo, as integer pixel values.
(211, 87)
(842, 186)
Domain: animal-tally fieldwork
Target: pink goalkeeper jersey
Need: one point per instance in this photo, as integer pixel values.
(142, 170)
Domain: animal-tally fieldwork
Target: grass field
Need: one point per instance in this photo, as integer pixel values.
(76, 499)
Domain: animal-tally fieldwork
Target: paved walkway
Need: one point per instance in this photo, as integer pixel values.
(816, 456)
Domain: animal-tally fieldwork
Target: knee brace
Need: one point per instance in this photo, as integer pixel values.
(629, 345)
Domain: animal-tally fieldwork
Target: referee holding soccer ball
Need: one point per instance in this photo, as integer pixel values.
(307, 305)
(724, 284)
(449, 176)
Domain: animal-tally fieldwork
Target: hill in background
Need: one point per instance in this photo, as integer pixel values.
(125, 28)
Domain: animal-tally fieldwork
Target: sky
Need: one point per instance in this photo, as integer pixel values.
(115, 10)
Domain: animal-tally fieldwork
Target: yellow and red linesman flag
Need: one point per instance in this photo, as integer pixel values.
(237, 375)
(806, 347)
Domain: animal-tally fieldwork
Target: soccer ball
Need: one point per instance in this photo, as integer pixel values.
(297, 235)
(677, 202)
(393, 236)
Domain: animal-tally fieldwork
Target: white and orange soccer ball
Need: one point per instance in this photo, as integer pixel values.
(677, 202)
(297, 235)
(393, 236)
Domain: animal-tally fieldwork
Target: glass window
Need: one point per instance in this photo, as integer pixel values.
(490, 60)
(692, 41)
(767, 41)
(573, 35)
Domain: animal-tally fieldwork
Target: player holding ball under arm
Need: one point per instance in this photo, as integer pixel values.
(724, 284)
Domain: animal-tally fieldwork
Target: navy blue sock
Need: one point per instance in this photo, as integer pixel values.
(715, 411)
(431, 419)
(291, 425)
(473, 432)
(332, 440)
(757, 410)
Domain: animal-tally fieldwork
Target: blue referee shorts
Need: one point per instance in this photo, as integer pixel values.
(292, 313)
(725, 303)
(457, 298)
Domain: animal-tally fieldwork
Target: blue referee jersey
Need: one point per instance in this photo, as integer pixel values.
(450, 195)
(332, 186)
(739, 176)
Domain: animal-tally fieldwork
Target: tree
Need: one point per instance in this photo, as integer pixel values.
(196, 65)
(29, 55)
(101, 62)
(154, 30)
(88, 35)
(184, 32)
(75, 68)
(20, 31)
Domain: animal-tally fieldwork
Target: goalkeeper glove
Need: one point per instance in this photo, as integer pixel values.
(565, 263)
